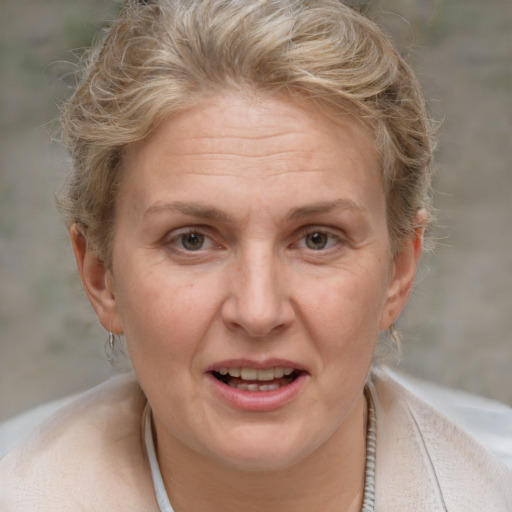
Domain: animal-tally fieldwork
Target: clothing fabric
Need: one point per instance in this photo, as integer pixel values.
(90, 455)
(424, 462)
(164, 505)
(371, 447)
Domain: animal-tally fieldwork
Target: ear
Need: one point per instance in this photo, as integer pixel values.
(403, 273)
(97, 281)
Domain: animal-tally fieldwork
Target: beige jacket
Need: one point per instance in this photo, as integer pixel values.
(423, 461)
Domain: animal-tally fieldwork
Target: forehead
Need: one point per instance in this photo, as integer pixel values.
(256, 123)
(235, 141)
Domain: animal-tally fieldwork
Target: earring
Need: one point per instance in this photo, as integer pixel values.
(115, 352)
(109, 347)
(111, 341)
(394, 335)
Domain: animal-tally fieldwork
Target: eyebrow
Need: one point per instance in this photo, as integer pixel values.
(190, 209)
(325, 207)
(212, 213)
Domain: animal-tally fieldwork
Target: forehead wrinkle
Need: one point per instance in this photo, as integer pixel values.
(251, 135)
(222, 155)
(239, 145)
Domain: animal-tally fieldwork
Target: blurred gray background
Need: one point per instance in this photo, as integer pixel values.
(457, 329)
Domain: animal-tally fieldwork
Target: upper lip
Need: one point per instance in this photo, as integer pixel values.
(259, 365)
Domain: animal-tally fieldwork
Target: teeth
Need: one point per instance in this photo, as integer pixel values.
(253, 387)
(248, 374)
(234, 372)
(269, 387)
(265, 374)
(279, 372)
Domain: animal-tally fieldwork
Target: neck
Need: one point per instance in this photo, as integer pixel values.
(330, 479)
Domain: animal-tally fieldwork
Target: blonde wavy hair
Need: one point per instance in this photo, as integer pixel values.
(161, 57)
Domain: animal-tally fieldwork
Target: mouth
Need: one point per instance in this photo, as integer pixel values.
(256, 379)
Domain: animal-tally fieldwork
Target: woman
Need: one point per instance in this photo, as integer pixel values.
(248, 204)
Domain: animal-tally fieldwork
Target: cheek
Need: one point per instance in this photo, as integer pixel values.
(346, 307)
(165, 315)
(344, 326)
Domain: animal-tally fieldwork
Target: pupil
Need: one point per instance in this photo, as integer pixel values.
(193, 241)
(316, 240)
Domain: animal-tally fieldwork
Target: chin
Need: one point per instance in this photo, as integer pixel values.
(271, 452)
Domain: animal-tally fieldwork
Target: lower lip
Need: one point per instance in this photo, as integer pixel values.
(257, 400)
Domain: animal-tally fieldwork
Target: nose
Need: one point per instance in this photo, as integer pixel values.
(258, 302)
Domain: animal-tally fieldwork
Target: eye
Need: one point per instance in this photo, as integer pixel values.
(316, 240)
(192, 241)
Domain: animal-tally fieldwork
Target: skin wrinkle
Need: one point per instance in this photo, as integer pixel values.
(236, 175)
(219, 155)
(257, 154)
(248, 137)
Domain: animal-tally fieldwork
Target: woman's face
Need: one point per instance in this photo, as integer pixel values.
(251, 276)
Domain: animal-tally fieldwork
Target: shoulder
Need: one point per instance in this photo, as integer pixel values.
(423, 458)
(88, 455)
(488, 421)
